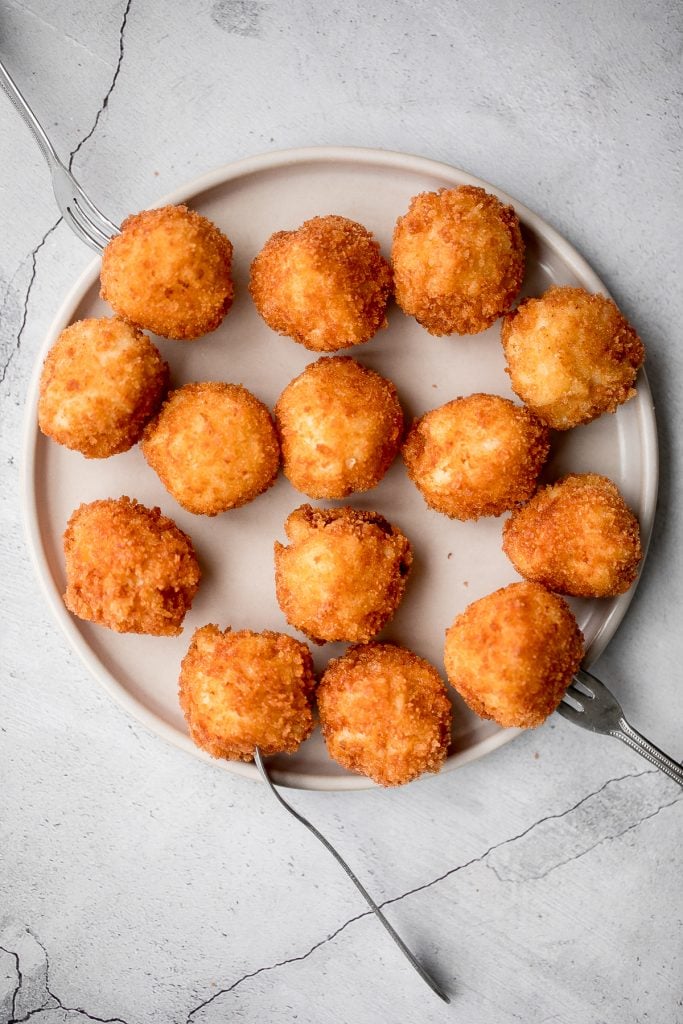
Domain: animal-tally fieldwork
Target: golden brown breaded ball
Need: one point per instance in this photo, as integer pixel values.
(129, 567)
(571, 356)
(512, 654)
(343, 573)
(385, 713)
(213, 446)
(458, 260)
(476, 456)
(169, 272)
(326, 285)
(244, 690)
(576, 536)
(340, 427)
(102, 381)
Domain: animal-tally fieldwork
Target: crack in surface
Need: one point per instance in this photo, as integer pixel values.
(58, 1004)
(29, 288)
(272, 967)
(20, 979)
(582, 853)
(432, 882)
(107, 97)
(103, 106)
(520, 835)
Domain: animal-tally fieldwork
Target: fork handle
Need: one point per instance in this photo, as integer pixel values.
(632, 738)
(30, 119)
(410, 957)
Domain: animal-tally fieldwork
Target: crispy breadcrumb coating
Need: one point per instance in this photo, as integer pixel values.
(512, 654)
(576, 536)
(214, 447)
(102, 381)
(244, 690)
(571, 355)
(343, 574)
(129, 567)
(476, 456)
(326, 285)
(169, 272)
(385, 713)
(458, 260)
(340, 427)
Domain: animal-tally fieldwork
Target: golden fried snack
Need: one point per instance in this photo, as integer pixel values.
(476, 456)
(576, 536)
(571, 356)
(385, 713)
(340, 428)
(458, 260)
(213, 446)
(512, 654)
(129, 567)
(326, 285)
(102, 381)
(169, 272)
(342, 575)
(244, 690)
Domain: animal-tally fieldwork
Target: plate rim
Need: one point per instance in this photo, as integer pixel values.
(31, 438)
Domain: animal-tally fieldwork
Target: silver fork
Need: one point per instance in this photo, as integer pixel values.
(79, 212)
(591, 705)
(427, 978)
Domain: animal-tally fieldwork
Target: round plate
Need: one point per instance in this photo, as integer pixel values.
(455, 563)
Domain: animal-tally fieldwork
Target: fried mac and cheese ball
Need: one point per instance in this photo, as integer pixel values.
(213, 446)
(326, 285)
(476, 456)
(129, 567)
(576, 536)
(571, 355)
(512, 654)
(340, 427)
(385, 713)
(244, 690)
(169, 272)
(102, 381)
(343, 574)
(458, 260)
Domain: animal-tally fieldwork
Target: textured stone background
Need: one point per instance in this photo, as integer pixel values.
(543, 883)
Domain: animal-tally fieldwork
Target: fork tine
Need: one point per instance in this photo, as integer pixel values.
(575, 696)
(97, 217)
(79, 230)
(569, 712)
(91, 224)
(596, 689)
(579, 687)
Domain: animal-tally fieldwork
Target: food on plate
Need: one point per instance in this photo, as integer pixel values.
(169, 272)
(213, 446)
(577, 537)
(326, 285)
(476, 456)
(385, 713)
(102, 381)
(244, 690)
(340, 427)
(458, 260)
(571, 355)
(343, 573)
(129, 567)
(512, 654)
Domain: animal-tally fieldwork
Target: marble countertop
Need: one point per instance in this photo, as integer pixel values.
(542, 883)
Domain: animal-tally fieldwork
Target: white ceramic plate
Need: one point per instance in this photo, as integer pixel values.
(454, 562)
